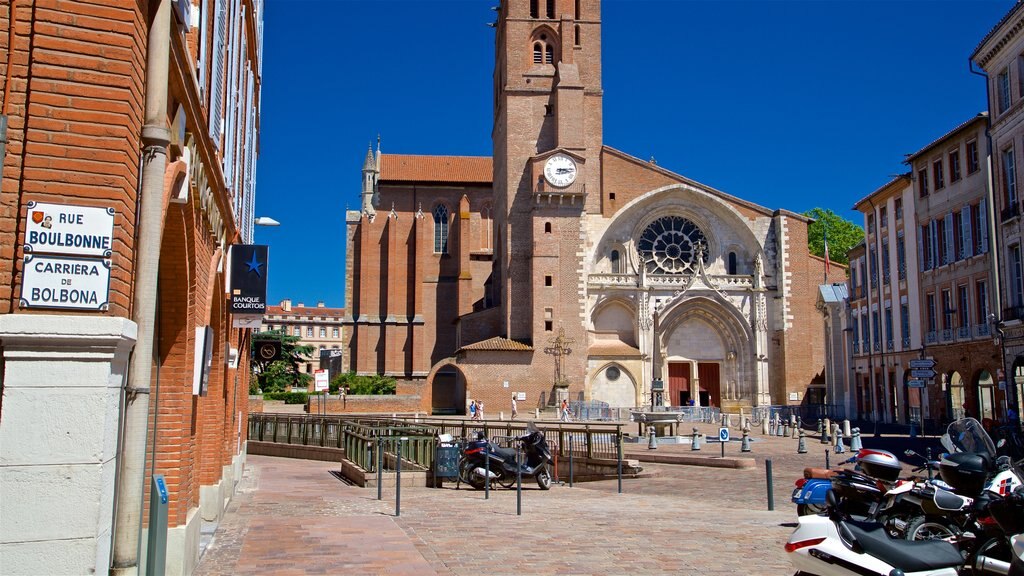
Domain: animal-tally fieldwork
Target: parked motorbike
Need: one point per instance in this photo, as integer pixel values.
(835, 543)
(481, 457)
(860, 491)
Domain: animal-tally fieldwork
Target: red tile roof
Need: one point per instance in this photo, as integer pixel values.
(498, 343)
(449, 169)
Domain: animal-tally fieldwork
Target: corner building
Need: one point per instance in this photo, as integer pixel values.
(147, 112)
(564, 268)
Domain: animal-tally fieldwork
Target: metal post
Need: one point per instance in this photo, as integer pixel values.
(380, 467)
(827, 465)
(570, 460)
(398, 478)
(722, 442)
(619, 436)
(487, 469)
(768, 474)
(519, 482)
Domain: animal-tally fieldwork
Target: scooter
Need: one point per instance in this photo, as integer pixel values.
(481, 458)
(859, 491)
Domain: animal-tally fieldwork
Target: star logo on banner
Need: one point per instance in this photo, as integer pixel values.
(254, 265)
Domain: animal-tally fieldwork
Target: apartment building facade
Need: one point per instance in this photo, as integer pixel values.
(1000, 58)
(130, 133)
(318, 326)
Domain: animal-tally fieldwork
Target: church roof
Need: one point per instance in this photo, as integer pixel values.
(613, 348)
(441, 169)
(498, 343)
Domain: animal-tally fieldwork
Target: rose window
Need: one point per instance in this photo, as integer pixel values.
(671, 245)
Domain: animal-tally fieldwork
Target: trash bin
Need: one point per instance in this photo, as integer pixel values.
(446, 459)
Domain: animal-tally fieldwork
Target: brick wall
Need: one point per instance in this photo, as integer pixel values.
(75, 124)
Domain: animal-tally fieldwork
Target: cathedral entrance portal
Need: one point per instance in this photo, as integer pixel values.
(708, 376)
(706, 390)
(679, 383)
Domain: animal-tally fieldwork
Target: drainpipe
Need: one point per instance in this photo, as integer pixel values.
(12, 19)
(996, 295)
(155, 139)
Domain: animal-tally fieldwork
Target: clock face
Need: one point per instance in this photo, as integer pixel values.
(560, 170)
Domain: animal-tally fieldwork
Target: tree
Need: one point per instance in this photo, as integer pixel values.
(375, 384)
(277, 375)
(842, 234)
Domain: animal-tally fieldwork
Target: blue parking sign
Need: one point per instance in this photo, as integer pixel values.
(723, 434)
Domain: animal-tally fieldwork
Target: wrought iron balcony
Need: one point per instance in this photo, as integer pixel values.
(856, 347)
(947, 334)
(981, 329)
(1011, 211)
(906, 342)
(931, 337)
(964, 332)
(1013, 313)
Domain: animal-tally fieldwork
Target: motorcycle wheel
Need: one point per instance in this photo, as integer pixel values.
(809, 509)
(507, 480)
(544, 479)
(467, 476)
(924, 528)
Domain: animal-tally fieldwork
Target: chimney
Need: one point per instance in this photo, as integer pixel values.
(300, 305)
(286, 305)
(320, 304)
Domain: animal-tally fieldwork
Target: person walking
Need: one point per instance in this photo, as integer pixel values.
(515, 412)
(479, 410)
(472, 410)
(565, 411)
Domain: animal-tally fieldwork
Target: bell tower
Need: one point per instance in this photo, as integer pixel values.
(547, 140)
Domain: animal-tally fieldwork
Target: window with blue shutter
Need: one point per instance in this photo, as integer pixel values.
(217, 72)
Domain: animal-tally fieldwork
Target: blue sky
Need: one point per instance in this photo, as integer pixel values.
(787, 104)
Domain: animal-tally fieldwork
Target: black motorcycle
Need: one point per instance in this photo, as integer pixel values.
(481, 457)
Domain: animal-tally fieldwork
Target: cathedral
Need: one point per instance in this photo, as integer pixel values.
(563, 268)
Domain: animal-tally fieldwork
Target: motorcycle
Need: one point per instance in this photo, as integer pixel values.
(835, 544)
(481, 458)
(859, 491)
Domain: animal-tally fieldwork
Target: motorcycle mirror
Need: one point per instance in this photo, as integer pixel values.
(909, 452)
(1001, 443)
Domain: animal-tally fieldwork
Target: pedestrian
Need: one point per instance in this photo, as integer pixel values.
(472, 410)
(479, 409)
(565, 411)
(344, 398)
(515, 412)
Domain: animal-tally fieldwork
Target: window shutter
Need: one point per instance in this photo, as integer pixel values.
(217, 73)
(983, 225)
(968, 238)
(204, 45)
(933, 237)
(921, 251)
(947, 246)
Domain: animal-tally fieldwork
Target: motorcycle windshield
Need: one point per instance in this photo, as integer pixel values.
(967, 435)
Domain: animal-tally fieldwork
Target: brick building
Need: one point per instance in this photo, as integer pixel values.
(317, 326)
(564, 268)
(131, 131)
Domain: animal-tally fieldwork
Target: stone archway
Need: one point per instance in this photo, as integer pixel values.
(614, 384)
(448, 390)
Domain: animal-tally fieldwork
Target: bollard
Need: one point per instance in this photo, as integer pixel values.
(785, 429)
(695, 442)
(771, 426)
(519, 481)
(398, 478)
(846, 428)
(380, 466)
(619, 443)
(855, 442)
(570, 460)
(839, 448)
(536, 413)
(796, 426)
(828, 466)
(652, 438)
(801, 447)
(819, 427)
(745, 443)
(778, 427)
(487, 470)
(764, 427)
(768, 475)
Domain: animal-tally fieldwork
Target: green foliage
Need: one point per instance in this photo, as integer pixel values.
(288, 397)
(842, 234)
(276, 376)
(254, 386)
(373, 385)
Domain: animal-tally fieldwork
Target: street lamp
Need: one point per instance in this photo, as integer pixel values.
(265, 221)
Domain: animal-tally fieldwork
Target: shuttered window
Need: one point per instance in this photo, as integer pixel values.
(217, 72)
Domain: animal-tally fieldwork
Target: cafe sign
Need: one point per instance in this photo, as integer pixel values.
(69, 230)
(65, 282)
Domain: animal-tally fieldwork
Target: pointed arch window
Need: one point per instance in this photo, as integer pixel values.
(732, 263)
(533, 8)
(538, 53)
(543, 49)
(549, 55)
(616, 262)
(486, 229)
(441, 229)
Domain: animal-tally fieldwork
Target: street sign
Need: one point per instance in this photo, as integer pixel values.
(922, 373)
(723, 434)
(69, 230)
(915, 383)
(65, 282)
(922, 363)
(320, 380)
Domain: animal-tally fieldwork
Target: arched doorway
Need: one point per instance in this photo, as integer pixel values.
(448, 391)
(957, 398)
(988, 405)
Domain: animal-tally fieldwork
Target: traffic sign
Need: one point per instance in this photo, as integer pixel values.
(922, 373)
(922, 363)
(915, 383)
(723, 434)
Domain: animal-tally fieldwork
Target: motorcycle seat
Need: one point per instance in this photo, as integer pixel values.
(822, 473)
(907, 555)
(506, 453)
